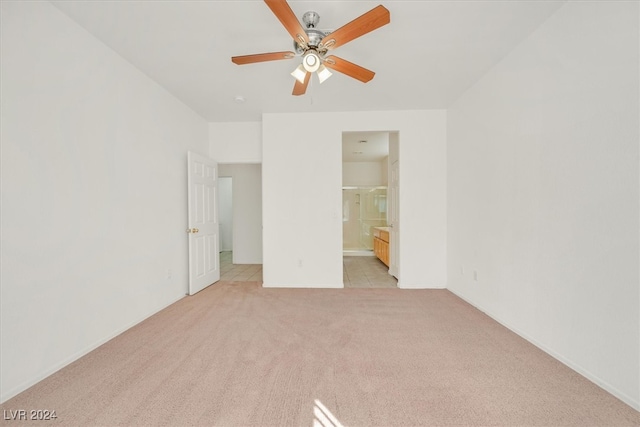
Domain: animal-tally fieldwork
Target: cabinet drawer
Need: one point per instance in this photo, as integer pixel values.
(381, 234)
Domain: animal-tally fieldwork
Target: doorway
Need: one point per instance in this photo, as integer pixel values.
(365, 206)
(225, 212)
(240, 213)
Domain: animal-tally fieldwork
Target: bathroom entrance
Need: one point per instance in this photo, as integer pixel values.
(365, 208)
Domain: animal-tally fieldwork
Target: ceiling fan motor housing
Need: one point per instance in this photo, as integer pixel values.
(310, 20)
(315, 37)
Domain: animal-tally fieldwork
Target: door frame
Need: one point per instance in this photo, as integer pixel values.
(394, 251)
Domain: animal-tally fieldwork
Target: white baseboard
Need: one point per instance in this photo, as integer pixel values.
(55, 368)
(355, 252)
(403, 285)
(570, 364)
(305, 286)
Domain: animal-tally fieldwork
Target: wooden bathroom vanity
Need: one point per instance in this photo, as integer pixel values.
(381, 243)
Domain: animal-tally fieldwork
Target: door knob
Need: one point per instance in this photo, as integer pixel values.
(192, 230)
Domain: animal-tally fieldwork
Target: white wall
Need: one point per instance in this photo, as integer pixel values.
(302, 200)
(236, 142)
(93, 193)
(543, 192)
(247, 211)
(362, 174)
(225, 212)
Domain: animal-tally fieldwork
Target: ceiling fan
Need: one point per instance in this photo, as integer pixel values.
(314, 45)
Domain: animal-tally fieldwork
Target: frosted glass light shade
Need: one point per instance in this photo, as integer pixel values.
(311, 61)
(323, 73)
(299, 73)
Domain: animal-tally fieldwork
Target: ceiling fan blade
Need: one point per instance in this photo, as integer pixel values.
(372, 20)
(283, 12)
(301, 88)
(349, 68)
(261, 57)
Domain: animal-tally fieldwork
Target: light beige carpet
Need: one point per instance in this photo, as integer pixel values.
(237, 355)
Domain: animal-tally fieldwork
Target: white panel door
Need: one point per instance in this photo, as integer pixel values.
(204, 256)
(393, 217)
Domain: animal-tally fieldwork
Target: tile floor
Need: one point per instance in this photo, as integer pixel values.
(366, 272)
(238, 272)
(358, 272)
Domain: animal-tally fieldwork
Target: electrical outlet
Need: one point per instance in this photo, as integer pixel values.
(462, 270)
(169, 274)
(475, 275)
(299, 263)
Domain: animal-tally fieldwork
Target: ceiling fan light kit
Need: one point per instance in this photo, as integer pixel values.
(311, 61)
(323, 73)
(313, 45)
(299, 73)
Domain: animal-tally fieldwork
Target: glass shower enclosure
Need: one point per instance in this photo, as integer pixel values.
(362, 209)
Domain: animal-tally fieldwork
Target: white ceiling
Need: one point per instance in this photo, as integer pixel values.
(430, 53)
(364, 146)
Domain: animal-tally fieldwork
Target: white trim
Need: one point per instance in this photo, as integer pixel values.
(403, 285)
(357, 252)
(303, 286)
